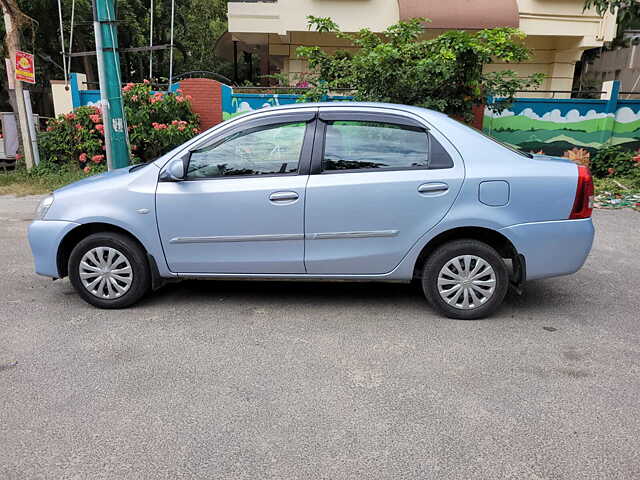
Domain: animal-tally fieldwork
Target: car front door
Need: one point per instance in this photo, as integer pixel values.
(240, 208)
(378, 182)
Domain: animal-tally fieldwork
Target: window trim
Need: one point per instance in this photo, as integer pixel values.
(324, 118)
(380, 117)
(310, 118)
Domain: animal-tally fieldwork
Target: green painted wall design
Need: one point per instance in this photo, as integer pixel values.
(557, 125)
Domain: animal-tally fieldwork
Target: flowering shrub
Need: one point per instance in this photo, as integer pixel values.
(157, 123)
(615, 161)
(74, 137)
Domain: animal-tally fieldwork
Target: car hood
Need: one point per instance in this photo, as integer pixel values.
(96, 180)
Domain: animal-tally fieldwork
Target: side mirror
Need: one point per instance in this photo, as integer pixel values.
(174, 171)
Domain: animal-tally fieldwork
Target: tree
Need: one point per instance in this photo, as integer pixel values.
(628, 11)
(198, 24)
(444, 73)
(14, 20)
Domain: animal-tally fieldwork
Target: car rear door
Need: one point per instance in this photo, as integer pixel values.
(241, 207)
(379, 181)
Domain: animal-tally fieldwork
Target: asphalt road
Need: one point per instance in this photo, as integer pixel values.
(244, 380)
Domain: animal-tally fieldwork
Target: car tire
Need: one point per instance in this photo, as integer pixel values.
(465, 268)
(109, 270)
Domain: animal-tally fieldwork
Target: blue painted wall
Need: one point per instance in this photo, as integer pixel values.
(238, 103)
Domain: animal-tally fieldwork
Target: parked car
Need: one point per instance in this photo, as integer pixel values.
(339, 191)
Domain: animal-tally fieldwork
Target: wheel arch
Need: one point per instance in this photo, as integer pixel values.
(495, 239)
(72, 238)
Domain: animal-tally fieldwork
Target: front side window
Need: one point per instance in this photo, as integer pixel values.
(353, 145)
(268, 150)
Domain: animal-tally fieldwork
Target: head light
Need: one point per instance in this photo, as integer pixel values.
(43, 207)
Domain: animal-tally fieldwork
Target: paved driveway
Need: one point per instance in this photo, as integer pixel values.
(272, 380)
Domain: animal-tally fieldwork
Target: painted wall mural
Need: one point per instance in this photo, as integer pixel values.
(557, 125)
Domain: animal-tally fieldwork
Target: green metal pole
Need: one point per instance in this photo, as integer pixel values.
(115, 124)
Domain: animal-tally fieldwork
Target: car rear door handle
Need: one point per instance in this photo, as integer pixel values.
(283, 197)
(433, 188)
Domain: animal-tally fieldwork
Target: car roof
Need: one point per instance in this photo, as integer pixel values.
(422, 112)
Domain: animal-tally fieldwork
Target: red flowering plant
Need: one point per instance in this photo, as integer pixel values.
(615, 161)
(157, 123)
(75, 138)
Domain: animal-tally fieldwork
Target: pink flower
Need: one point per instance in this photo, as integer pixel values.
(82, 157)
(179, 98)
(86, 169)
(195, 130)
(134, 98)
(100, 128)
(134, 147)
(181, 127)
(71, 116)
(146, 81)
(96, 118)
(128, 87)
(19, 156)
(78, 126)
(178, 90)
(97, 158)
(158, 126)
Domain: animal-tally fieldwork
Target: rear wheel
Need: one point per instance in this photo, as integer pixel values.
(465, 279)
(109, 270)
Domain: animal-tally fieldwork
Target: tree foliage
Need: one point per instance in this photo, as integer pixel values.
(628, 11)
(198, 25)
(445, 73)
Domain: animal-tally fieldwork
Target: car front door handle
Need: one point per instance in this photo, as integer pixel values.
(283, 197)
(433, 188)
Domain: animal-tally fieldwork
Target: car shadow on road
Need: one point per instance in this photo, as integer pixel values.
(536, 296)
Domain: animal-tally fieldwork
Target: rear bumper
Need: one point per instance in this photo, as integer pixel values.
(552, 248)
(44, 238)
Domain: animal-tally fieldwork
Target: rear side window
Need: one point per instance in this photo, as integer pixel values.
(364, 145)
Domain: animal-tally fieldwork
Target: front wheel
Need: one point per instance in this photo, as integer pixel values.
(465, 279)
(109, 270)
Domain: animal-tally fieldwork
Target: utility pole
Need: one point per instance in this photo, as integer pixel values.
(13, 44)
(115, 125)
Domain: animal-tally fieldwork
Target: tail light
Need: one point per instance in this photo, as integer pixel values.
(583, 204)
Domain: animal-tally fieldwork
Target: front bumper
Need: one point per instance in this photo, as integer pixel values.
(44, 238)
(552, 248)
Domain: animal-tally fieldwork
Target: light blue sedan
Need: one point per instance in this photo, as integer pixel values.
(336, 191)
